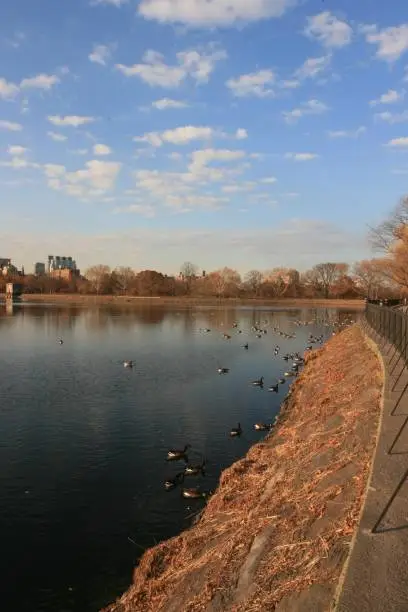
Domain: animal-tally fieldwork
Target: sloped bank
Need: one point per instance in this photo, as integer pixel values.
(277, 532)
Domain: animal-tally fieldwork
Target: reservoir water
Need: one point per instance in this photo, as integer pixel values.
(83, 440)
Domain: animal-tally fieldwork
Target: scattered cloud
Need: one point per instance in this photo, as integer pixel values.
(390, 97)
(398, 142)
(11, 126)
(178, 136)
(311, 107)
(328, 30)
(269, 180)
(40, 81)
(57, 137)
(101, 149)
(100, 54)
(290, 84)
(165, 103)
(145, 210)
(346, 134)
(204, 14)
(392, 117)
(241, 134)
(253, 84)
(16, 150)
(239, 188)
(8, 90)
(301, 156)
(116, 3)
(392, 42)
(312, 67)
(69, 120)
(92, 181)
(191, 63)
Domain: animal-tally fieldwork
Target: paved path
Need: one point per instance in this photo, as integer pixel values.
(376, 578)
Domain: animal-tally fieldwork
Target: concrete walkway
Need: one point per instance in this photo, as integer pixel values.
(376, 577)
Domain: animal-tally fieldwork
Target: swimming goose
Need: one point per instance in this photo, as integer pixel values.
(193, 470)
(177, 453)
(236, 431)
(171, 483)
(258, 382)
(128, 364)
(60, 341)
(223, 370)
(274, 388)
(262, 426)
(226, 337)
(246, 346)
(281, 381)
(193, 493)
(289, 374)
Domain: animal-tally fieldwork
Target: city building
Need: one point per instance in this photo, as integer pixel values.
(60, 262)
(6, 267)
(39, 269)
(64, 274)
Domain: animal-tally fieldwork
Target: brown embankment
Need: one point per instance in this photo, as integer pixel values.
(119, 300)
(277, 531)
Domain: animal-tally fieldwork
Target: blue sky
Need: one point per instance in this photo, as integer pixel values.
(233, 132)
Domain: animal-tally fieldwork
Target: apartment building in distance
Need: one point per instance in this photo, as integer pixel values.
(60, 266)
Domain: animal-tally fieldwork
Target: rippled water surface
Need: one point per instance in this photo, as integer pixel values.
(83, 440)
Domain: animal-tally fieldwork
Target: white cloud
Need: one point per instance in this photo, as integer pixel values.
(392, 117)
(57, 137)
(390, 97)
(165, 103)
(201, 158)
(16, 150)
(240, 188)
(191, 63)
(328, 30)
(346, 134)
(100, 54)
(201, 13)
(79, 151)
(290, 84)
(101, 149)
(8, 90)
(11, 126)
(116, 3)
(311, 107)
(178, 136)
(253, 84)
(40, 81)
(398, 142)
(269, 180)
(392, 42)
(94, 180)
(69, 120)
(301, 156)
(241, 134)
(145, 210)
(313, 66)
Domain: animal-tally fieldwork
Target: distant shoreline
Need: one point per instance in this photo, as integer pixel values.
(118, 300)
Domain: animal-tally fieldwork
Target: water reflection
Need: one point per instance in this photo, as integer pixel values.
(84, 439)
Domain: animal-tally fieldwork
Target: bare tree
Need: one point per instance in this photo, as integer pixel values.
(188, 273)
(125, 279)
(225, 281)
(392, 229)
(98, 276)
(254, 281)
(326, 274)
(369, 277)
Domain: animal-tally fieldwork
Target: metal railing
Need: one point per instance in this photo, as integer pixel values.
(391, 324)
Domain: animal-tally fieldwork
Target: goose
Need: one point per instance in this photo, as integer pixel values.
(246, 346)
(258, 382)
(171, 483)
(289, 374)
(193, 470)
(274, 388)
(285, 357)
(236, 431)
(262, 426)
(281, 381)
(223, 370)
(60, 341)
(226, 337)
(128, 364)
(259, 335)
(193, 493)
(177, 453)
(235, 325)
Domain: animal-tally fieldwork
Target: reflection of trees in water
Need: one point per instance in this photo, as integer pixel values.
(124, 318)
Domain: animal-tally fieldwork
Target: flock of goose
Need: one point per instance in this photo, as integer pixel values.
(181, 454)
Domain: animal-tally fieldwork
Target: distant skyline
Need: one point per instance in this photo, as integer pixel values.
(150, 132)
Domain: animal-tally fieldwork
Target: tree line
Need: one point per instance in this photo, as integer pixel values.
(385, 276)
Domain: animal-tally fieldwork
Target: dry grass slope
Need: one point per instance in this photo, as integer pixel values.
(276, 533)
